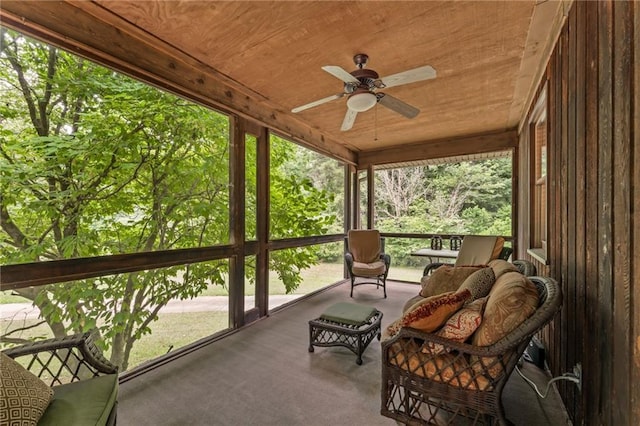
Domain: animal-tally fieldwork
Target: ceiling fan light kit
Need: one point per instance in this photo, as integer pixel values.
(361, 85)
(361, 102)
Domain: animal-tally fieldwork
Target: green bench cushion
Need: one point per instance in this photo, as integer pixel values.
(348, 313)
(87, 402)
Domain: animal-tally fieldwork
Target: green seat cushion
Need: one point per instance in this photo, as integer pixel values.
(87, 402)
(348, 313)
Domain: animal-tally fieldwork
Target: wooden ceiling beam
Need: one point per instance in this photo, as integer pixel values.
(441, 148)
(91, 31)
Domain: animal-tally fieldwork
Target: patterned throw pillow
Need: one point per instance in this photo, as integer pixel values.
(479, 283)
(459, 327)
(428, 315)
(446, 278)
(23, 396)
(512, 300)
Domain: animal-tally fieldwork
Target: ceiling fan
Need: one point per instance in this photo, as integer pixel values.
(361, 87)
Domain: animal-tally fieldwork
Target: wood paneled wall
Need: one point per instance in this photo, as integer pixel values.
(594, 209)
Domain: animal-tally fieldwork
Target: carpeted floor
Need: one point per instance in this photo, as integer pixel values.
(264, 375)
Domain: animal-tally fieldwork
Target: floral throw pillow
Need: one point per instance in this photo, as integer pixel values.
(459, 327)
(429, 314)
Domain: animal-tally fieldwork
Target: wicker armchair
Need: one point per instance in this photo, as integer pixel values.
(421, 387)
(365, 258)
(76, 369)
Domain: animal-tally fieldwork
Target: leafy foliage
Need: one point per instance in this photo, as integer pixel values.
(94, 163)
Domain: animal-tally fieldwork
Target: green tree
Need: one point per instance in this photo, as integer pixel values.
(469, 197)
(94, 163)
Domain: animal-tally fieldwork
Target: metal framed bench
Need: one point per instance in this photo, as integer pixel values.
(346, 324)
(84, 382)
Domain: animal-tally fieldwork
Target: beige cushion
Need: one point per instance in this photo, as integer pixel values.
(446, 368)
(445, 278)
(479, 283)
(372, 269)
(364, 245)
(23, 396)
(479, 249)
(501, 267)
(459, 327)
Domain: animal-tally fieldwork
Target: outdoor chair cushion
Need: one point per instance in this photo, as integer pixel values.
(86, 402)
(364, 245)
(447, 368)
(479, 249)
(23, 396)
(348, 313)
(372, 269)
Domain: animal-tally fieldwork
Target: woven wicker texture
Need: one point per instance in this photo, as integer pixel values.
(422, 386)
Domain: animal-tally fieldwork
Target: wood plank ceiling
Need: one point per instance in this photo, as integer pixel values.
(488, 57)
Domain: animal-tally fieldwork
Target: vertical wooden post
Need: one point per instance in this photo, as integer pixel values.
(355, 219)
(604, 206)
(621, 244)
(236, 222)
(262, 213)
(635, 224)
(515, 167)
(370, 197)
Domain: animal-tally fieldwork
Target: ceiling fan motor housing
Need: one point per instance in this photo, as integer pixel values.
(366, 77)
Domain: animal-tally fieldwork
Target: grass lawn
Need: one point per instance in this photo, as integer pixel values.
(171, 331)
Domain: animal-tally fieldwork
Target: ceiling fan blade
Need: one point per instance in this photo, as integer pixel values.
(349, 119)
(410, 76)
(396, 105)
(340, 73)
(318, 102)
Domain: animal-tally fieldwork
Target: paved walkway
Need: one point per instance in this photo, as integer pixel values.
(19, 311)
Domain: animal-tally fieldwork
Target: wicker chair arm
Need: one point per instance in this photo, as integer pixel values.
(348, 257)
(76, 357)
(525, 267)
(428, 270)
(386, 259)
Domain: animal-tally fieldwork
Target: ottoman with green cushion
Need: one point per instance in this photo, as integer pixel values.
(346, 324)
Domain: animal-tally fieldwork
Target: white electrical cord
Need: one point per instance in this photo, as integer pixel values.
(566, 376)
